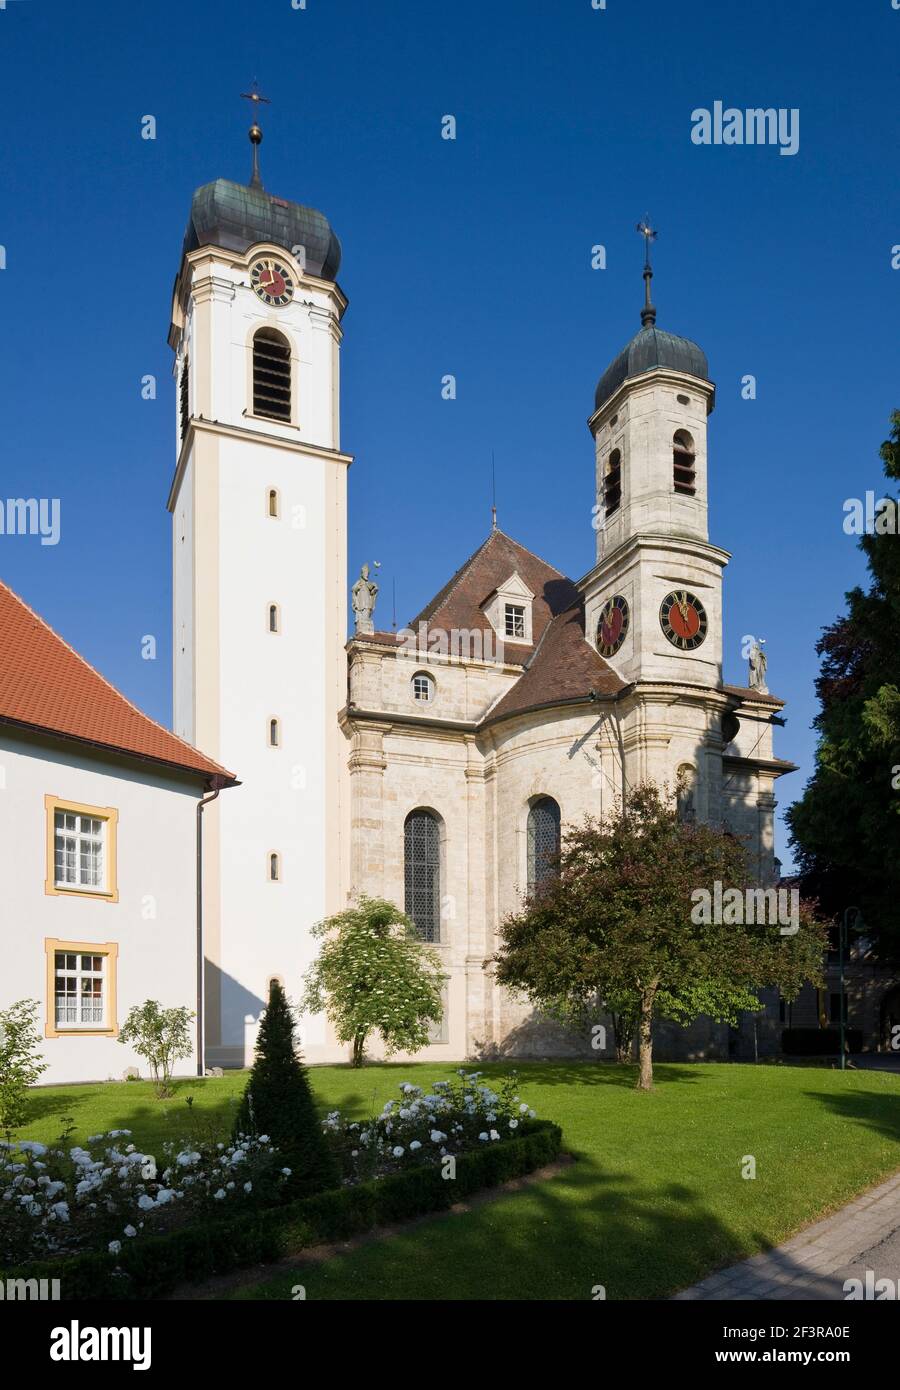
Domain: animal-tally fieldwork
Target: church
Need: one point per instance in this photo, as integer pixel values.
(436, 766)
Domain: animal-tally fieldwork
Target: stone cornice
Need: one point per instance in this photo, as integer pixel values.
(197, 425)
(651, 540)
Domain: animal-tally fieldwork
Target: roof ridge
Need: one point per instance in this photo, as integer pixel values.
(443, 595)
(170, 733)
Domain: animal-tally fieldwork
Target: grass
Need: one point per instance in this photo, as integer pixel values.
(654, 1202)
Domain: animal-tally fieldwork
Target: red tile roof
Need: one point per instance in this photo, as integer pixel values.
(46, 685)
(564, 667)
(458, 606)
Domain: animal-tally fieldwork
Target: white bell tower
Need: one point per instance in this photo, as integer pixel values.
(259, 515)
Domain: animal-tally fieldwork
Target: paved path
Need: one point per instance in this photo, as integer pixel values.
(864, 1235)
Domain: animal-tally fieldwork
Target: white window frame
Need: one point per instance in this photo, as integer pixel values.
(81, 849)
(427, 684)
(514, 614)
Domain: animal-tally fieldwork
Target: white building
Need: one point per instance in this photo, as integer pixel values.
(98, 854)
(436, 766)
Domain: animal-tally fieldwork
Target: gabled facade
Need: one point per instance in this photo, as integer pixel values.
(98, 855)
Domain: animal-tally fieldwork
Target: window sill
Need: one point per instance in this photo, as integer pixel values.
(69, 890)
(74, 1032)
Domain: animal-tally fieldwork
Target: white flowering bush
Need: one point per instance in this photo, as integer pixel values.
(67, 1198)
(424, 1127)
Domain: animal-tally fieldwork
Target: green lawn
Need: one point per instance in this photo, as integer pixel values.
(655, 1200)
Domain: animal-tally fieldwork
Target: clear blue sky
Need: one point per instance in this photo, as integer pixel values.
(470, 257)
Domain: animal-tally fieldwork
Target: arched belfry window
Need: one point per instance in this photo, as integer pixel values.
(683, 474)
(543, 842)
(272, 375)
(612, 483)
(422, 873)
(272, 502)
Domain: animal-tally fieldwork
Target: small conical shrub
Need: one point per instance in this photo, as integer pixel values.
(278, 1102)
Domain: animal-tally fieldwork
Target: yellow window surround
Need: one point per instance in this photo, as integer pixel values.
(108, 814)
(110, 951)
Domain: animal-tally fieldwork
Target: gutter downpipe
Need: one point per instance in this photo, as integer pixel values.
(204, 801)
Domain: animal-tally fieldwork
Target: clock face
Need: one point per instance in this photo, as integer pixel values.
(683, 619)
(612, 626)
(273, 282)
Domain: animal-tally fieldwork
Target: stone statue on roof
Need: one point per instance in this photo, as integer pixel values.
(758, 664)
(362, 597)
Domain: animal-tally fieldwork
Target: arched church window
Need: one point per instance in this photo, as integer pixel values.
(274, 733)
(685, 792)
(274, 868)
(272, 375)
(272, 502)
(274, 618)
(683, 463)
(422, 873)
(612, 482)
(543, 842)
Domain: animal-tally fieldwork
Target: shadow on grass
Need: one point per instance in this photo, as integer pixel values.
(585, 1234)
(866, 1108)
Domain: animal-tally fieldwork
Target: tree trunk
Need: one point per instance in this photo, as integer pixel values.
(359, 1044)
(645, 1037)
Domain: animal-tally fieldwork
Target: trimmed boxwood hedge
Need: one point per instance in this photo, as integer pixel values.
(152, 1266)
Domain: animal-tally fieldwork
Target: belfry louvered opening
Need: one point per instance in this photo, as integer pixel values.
(683, 473)
(184, 398)
(272, 375)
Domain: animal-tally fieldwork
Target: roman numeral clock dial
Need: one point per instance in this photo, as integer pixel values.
(272, 282)
(683, 620)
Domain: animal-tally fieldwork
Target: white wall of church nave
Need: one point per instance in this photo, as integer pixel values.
(152, 924)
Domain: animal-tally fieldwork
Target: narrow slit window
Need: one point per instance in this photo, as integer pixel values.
(272, 375)
(274, 733)
(612, 483)
(274, 867)
(272, 503)
(274, 618)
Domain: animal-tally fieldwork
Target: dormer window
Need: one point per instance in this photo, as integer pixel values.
(508, 609)
(683, 463)
(514, 621)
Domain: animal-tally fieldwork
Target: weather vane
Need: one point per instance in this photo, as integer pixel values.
(648, 313)
(255, 96)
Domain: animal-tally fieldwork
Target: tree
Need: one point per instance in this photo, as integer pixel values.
(20, 1061)
(278, 1102)
(845, 829)
(161, 1036)
(626, 917)
(373, 975)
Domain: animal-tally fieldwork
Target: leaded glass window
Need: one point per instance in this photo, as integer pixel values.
(422, 873)
(543, 842)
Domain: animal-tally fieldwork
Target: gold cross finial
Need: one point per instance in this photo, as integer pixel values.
(648, 313)
(255, 96)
